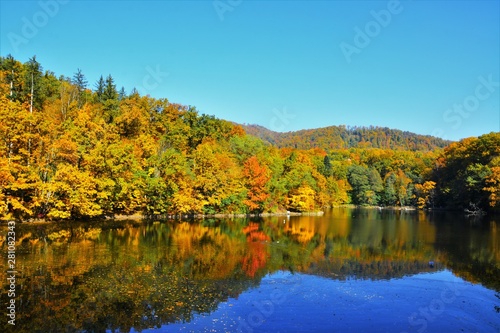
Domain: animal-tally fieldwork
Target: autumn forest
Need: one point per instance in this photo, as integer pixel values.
(74, 150)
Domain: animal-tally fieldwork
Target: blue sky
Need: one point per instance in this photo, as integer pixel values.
(430, 67)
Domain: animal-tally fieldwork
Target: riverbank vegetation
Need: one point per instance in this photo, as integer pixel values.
(68, 151)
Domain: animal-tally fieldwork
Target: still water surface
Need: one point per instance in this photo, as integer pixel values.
(351, 270)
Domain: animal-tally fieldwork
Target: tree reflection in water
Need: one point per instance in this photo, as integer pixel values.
(97, 277)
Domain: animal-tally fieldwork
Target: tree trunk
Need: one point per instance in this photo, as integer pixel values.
(11, 84)
(31, 101)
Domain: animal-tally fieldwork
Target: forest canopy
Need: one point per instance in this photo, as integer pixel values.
(338, 137)
(68, 151)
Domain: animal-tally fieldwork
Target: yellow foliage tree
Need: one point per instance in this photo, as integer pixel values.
(425, 193)
(71, 193)
(302, 199)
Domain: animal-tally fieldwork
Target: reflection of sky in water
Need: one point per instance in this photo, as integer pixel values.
(436, 302)
(370, 273)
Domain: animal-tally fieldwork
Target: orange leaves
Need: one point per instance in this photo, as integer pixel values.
(75, 156)
(257, 254)
(425, 193)
(255, 259)
(254, 234)
(237, 130)
(257, 176)
(66, 150)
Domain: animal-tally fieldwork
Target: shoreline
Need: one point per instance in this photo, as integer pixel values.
(404, 208)
(204, 216)
(164, 217)
(183, 217)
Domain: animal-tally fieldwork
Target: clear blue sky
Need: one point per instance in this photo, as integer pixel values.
(430, 67)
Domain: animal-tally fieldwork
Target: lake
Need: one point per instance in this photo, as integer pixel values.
(350, 270)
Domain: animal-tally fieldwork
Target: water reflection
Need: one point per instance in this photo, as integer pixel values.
(124, 275)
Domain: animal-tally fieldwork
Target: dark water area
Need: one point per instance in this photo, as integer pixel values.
(350, 270)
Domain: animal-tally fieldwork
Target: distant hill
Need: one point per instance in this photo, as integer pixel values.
(337, 137)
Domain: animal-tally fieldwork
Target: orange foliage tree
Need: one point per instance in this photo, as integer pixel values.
(256, 178)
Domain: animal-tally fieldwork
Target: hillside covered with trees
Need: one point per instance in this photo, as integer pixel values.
(69, 151)
(340, 137)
